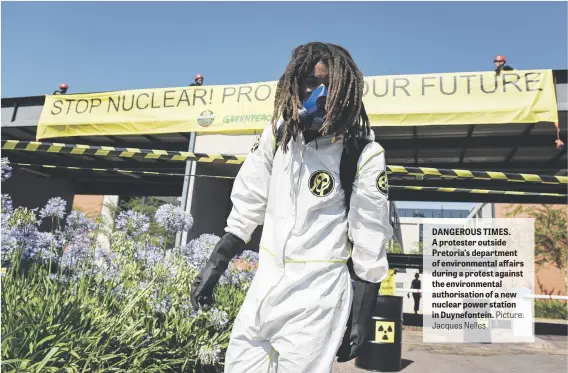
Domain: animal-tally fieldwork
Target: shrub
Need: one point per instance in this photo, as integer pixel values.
(70, 304)
(551, 309)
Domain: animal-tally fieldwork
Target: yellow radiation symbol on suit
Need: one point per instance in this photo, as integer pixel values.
(383, 183)
(384, 331)
(255, 146)
(321, 183)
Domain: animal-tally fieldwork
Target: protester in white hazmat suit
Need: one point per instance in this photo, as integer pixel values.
(295, 313)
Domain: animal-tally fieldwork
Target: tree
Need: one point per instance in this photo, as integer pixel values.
(551, 235)
(147, 206)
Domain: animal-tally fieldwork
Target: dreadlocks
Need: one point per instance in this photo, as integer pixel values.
(345, 112)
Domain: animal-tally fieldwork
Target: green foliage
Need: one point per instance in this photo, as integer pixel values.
(394, 247)
(121, 308)
(419, 248)
(147, 206)
(85, 326)
(79, 328)
(551, 235)
(551, 309)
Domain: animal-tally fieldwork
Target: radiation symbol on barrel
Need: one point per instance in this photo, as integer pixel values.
(382, 183)
(321, 183)
(384, 331)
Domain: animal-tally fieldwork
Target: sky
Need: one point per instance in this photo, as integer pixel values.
(129, 45)
(108, 46)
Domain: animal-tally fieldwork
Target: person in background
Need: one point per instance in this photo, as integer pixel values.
(417, 285)
(198, 81)
(62, 89)
(500, 62)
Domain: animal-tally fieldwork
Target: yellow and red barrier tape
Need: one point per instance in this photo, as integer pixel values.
(400, 187)
(181, 156)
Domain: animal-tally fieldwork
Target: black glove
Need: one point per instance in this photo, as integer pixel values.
(360, 320)
(226, 249)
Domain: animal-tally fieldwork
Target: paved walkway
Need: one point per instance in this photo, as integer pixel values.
(547, 354)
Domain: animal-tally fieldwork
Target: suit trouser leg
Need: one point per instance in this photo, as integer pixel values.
(247, 353)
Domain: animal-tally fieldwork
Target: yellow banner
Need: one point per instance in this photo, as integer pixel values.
(388, 286)
(402, 100)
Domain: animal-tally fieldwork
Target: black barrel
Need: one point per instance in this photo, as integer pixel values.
(383, 351)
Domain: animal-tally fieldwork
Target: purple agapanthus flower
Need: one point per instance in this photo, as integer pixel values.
(24, 233)
(233, 276)
(118, 291)
(79, 223)
(77, 239)
(45, 247)
(5, 169)
(76, 251)
(165, 269)
(164, 305)
(186, 307)
(198, 251)
(54, 208)
(6, 213)
(24, 237)
(170, 265)
(219, 318)
(133, 223)
(61, 278)
(9, 242)
(106, 265)
(7, 207)
(149, 254)
(173, 218)
(250, 257)
(8, 239)
(209, 355)
(79, 250)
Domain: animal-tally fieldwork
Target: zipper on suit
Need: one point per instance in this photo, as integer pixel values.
(297, 186)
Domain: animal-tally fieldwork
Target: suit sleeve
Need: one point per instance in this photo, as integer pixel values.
(369, 224)
(250, 190)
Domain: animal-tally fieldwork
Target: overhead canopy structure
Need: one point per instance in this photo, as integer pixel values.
(525, 146)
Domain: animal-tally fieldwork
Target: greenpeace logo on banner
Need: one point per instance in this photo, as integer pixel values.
(265, 118)
(403, 100)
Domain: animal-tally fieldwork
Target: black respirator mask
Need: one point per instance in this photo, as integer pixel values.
(313, 110)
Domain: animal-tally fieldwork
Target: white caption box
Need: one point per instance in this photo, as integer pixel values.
(477, 275)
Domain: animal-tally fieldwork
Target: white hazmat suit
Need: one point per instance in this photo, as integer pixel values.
(296, 310)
